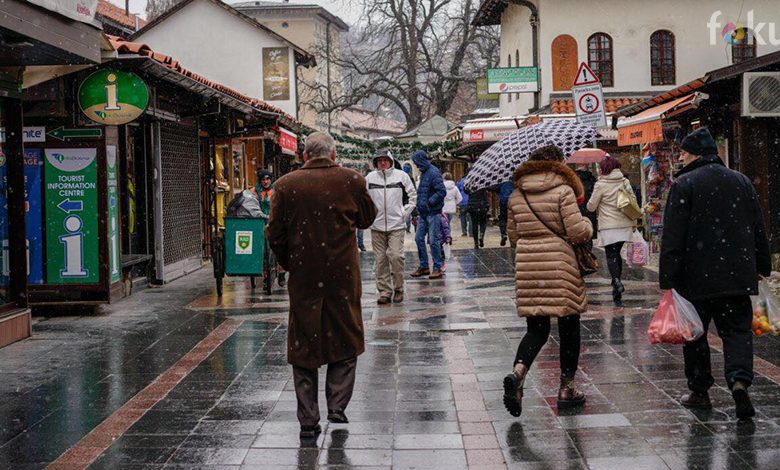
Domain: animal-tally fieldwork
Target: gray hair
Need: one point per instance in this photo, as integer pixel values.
(319, 144)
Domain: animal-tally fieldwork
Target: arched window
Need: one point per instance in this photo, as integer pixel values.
(662, 61)
(600, 58)
(509, 64)
(743, 45)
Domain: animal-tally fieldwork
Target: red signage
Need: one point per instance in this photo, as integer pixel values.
(288, 142)
(477, 135)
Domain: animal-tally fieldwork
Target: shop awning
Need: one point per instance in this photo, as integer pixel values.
(288, 142)
(647, 126)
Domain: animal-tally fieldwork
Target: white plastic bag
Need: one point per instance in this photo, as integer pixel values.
(447, 251)
(639, 251)
(769, 305)
(675, 321)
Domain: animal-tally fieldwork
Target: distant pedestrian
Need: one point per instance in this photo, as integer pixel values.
(713, 250)
(430, 202)
(453, 197)
(394, 197)
(588, 182)
(463, 208)
(313, 238)
(408, 170)
(504, 190)
(445, 239)
(544, 221)
(615, 228)
(478, 208)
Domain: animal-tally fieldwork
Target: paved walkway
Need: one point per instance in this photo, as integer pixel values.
(177, 378)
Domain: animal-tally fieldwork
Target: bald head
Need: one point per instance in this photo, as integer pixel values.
(319, 144)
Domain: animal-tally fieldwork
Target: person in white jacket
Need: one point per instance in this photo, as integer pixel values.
(394, 197)
(452, 199)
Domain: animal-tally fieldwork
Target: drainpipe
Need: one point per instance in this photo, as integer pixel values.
(534, 20)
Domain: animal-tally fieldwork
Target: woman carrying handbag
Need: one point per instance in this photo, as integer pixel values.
(615, 203)
(544, 226)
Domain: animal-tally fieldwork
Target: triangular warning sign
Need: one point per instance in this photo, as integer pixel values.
(585, 76)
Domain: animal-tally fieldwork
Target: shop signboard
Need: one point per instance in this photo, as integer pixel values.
(513, 80)
(113, 97)
(71, 197)
(482, 91)
(113, 213)
(33, 214)
(79, 10)
(276, 73)
(288, 142)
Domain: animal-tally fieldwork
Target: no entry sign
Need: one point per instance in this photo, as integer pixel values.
(588, 98)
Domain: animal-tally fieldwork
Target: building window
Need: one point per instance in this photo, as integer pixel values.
(662, 61)
(743, 45)
(600, 58)
(509, 64)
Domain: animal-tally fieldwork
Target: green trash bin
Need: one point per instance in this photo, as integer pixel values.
(244, 246)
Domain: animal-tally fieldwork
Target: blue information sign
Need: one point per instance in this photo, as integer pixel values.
(32, 217)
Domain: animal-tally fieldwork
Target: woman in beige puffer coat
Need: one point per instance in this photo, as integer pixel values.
(547, 277)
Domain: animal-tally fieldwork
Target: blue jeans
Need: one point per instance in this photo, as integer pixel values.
(429, 225)
(360, 238)
(465, 219)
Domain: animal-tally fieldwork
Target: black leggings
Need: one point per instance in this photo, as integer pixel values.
(536, 337)
(478, 224)
(614, 261)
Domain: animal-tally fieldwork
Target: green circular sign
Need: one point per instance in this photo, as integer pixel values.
(113, 97)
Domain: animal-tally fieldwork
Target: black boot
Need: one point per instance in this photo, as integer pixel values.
(617, 292)
(503, 240)
(742, 401)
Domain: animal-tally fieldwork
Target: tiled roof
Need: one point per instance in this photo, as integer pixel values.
(117, 15)
(126, 47)
(566, 106)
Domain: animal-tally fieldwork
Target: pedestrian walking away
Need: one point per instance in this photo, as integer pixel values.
(394, 196)
(314, 239)
(463, 208)
(264, 190)
(713, 250)
(588, 183)
(615, 228)
(452, 199)
(542, 213)
(504, 190)
(478, 208)
(430, 202)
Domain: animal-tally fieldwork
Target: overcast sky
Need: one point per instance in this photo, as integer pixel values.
(346, 9)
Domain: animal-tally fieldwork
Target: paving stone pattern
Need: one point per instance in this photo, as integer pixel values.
(177, 378)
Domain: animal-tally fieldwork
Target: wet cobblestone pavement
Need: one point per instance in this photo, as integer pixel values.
(176, 378)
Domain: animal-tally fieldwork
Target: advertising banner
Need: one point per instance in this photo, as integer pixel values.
(113, 213)
(79, 10)
(513, 80)
(32, 214)
(113, 97)
(276, 73)
(71, 216)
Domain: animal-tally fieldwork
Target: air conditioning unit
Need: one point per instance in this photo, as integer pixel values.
(761, 94)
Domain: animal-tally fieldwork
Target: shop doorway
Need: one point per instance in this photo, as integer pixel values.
(135, 190)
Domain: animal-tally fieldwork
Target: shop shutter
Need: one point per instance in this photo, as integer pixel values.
(180, 191)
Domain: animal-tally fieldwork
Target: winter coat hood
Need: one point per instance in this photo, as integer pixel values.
(420, 158)
(540, 176)
(377, 157)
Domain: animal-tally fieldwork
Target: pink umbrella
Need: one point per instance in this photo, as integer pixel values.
(585, 156)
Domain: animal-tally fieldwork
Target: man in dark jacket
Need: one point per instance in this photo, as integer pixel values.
(588, 182)
(478, 208)
(504, 190)
(313, 238)
(430, 202)
(714, 250)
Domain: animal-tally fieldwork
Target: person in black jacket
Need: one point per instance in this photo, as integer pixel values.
(588, 182)
(478, 207)
(713, 251)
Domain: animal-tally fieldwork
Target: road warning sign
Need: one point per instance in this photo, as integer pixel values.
(588, 98)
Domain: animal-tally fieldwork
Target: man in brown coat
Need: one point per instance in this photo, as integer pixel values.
(311, 230)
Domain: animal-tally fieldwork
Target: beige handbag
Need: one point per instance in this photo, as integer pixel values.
(626, 202)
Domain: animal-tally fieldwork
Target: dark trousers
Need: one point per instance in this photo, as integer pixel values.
(478, 224)
(536, 337)
(614, 261)
(732, 317)
(339, 384)
(503, 213)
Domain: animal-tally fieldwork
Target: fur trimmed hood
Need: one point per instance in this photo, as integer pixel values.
(537, 176)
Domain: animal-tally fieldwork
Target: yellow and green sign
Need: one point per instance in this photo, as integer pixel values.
(113, 97)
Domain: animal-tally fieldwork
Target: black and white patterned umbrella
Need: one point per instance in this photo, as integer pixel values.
(498, 163)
